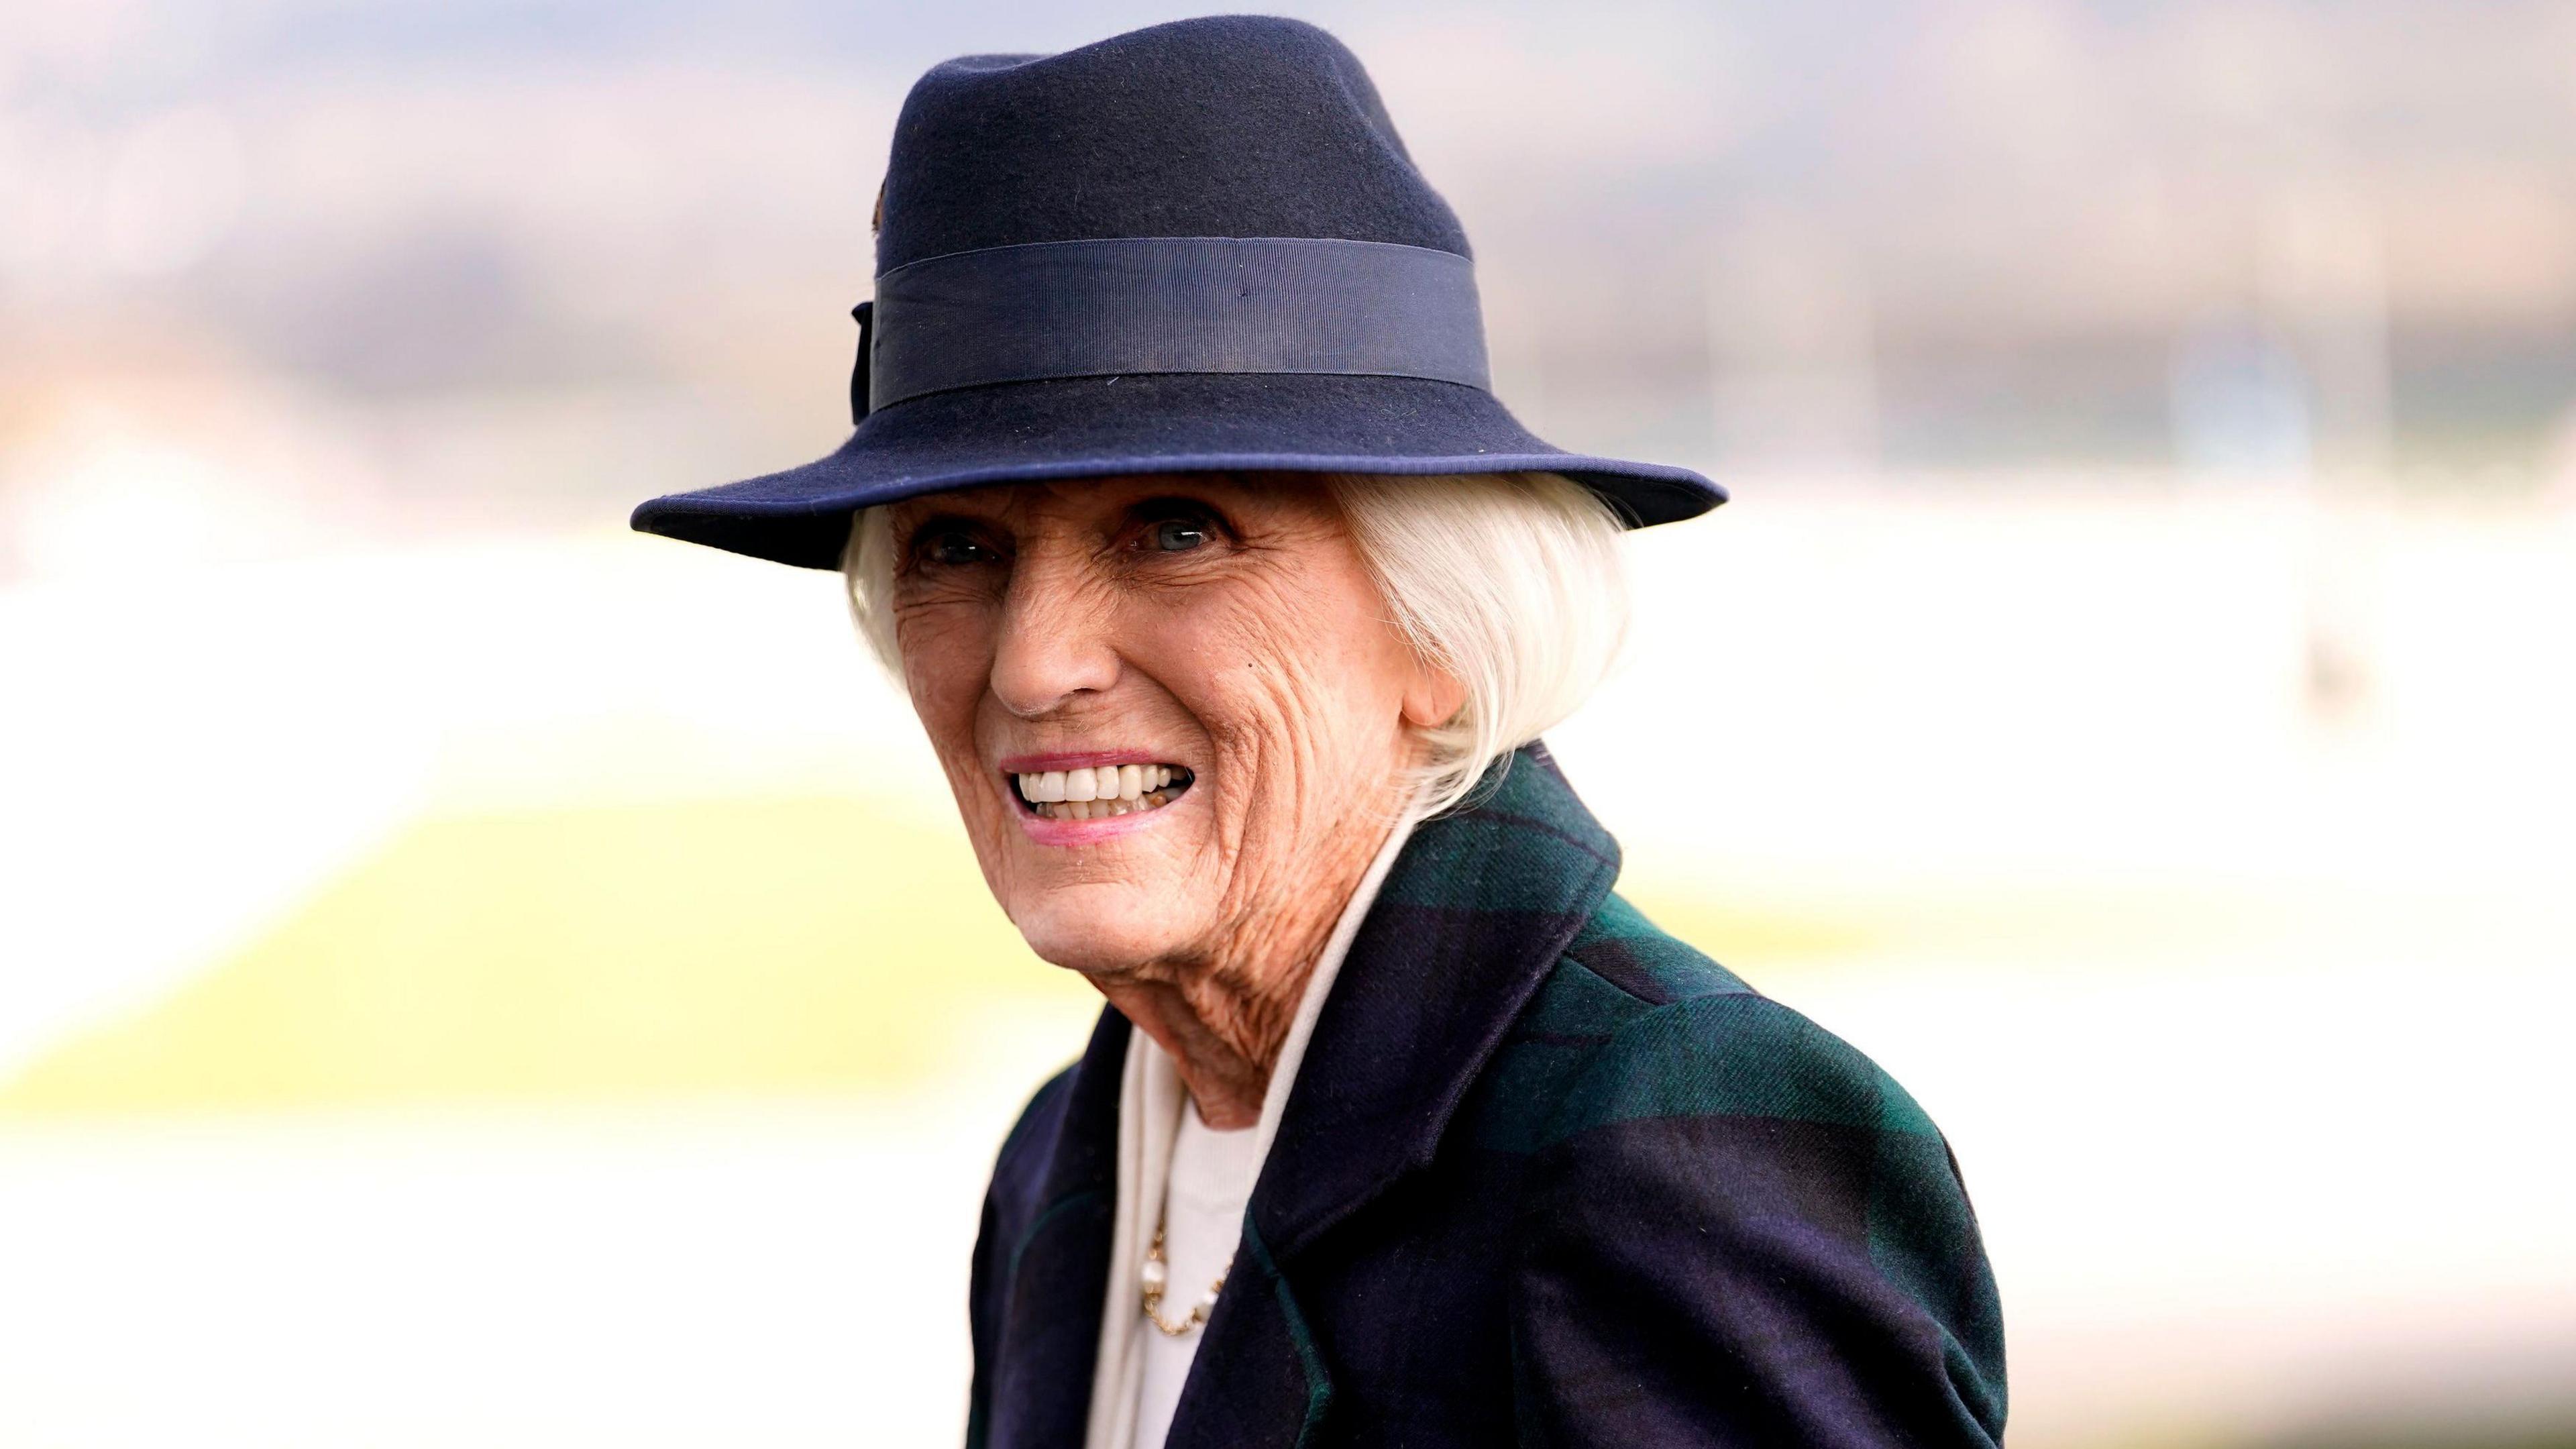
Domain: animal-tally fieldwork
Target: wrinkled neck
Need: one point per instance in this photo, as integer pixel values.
(1224, 1017)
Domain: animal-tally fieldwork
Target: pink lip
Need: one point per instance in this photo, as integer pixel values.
(1043, 831)
(1083, 760)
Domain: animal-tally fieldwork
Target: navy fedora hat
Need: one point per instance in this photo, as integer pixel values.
(1197, 247)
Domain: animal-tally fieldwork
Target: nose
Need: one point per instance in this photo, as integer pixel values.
(1055, 635)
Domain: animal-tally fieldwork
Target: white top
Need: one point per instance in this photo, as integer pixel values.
(1211, 1180)
(1200, 1179)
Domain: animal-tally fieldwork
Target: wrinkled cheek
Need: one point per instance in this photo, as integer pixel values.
(952, 737)
(942, 678)
(1301, 727)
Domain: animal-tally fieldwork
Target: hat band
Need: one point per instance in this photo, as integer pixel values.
(1131, 305)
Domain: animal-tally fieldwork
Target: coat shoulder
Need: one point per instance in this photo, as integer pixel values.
(1644, 1074)
(1041, 1113)
(1020, 1169)
(1644, 1025)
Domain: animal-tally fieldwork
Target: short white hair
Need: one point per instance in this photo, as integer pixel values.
(1514, 584)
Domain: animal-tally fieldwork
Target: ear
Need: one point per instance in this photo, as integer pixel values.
(1432, 697)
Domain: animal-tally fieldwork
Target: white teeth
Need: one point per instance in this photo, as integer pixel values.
(1097, 792)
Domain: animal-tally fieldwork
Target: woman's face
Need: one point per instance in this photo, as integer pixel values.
(1168, 706)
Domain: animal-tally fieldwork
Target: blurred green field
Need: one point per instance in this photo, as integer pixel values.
(609, 952)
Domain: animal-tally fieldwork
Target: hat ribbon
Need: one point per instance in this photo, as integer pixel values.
(1127, 306)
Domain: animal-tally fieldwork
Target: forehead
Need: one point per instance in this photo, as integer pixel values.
(1082, 497)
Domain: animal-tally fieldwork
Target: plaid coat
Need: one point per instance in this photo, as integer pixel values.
(1548, 1177)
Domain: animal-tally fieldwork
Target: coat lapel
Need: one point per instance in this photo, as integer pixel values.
(1476, 910)
(1059, 1267)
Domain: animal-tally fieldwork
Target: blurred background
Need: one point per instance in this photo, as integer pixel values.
(472, 975)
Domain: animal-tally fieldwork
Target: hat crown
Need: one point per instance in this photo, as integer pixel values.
(1196, 247)
(1228, 126)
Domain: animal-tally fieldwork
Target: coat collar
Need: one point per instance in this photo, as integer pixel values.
(1477, 909)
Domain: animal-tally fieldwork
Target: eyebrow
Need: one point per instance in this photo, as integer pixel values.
(914, 534)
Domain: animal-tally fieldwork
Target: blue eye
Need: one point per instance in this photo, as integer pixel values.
(1174, 535)
(954, 548)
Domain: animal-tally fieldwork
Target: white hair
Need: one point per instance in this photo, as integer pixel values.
(1513, 584)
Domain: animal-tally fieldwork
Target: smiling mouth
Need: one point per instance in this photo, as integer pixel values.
(1098, 793)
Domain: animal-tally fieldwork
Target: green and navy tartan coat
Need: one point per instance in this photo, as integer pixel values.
(1547, 1177)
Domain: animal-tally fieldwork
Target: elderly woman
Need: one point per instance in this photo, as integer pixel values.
(1233, 604)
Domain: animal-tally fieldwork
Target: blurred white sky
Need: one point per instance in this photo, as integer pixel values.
(529, 261)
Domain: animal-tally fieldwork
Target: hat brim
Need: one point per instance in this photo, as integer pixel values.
(1167, 423)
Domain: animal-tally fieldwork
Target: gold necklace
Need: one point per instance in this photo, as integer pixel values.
(1156, 1273)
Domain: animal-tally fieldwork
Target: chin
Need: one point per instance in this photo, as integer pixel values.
(1099, 928)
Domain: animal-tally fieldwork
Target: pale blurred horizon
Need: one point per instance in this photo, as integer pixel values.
(523, 265)
(472, 974)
